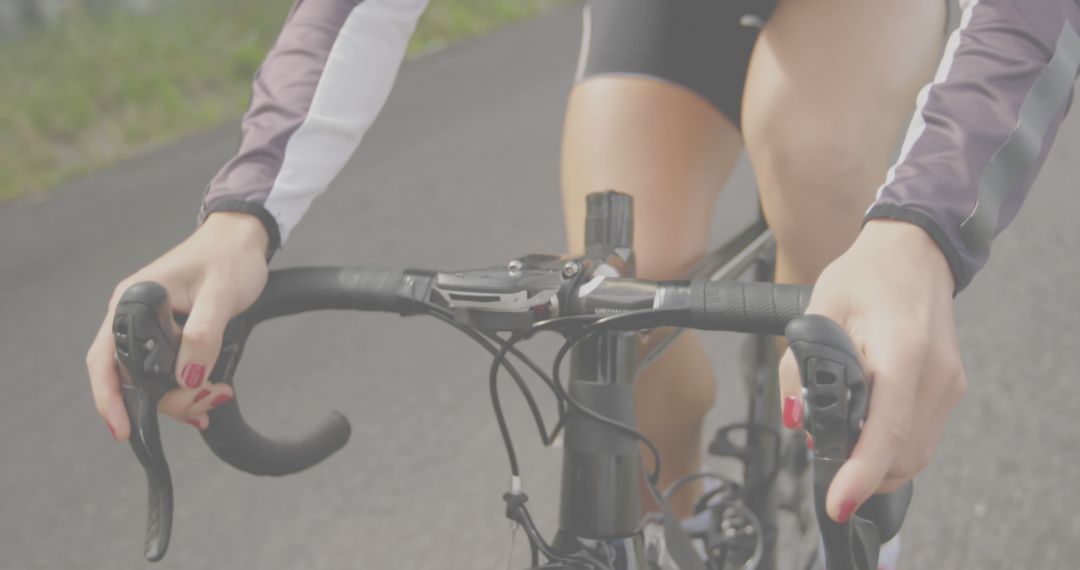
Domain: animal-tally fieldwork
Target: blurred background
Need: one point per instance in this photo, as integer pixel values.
(114, 114)
(87, 82)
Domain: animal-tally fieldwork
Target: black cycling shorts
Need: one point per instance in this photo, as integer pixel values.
(703, 45)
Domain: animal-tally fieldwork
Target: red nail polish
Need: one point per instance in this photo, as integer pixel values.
(193, 374)
(793, 412)
(846, 508)
(112, 430)
(220, 400)
(202, 394)
(809, 442)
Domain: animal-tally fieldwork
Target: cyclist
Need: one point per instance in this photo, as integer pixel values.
(666, 94)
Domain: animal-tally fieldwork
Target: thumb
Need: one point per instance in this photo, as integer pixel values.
(886, 431)
(202, 336)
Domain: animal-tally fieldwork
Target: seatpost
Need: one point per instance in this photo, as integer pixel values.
(601, 469)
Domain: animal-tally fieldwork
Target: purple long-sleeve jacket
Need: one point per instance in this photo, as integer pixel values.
(981, 130)
(983, 127)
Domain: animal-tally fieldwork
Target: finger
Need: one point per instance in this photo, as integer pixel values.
(216, 395)
(791, 391)
(891, 484)
(886, 433)
(201, 340)
(177, 404)
(183, 405)
(105, 382)
(199, 422)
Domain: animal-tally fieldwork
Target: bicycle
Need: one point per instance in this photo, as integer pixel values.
(603, 313)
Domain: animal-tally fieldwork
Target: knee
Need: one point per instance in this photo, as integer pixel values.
(818, 165)
(817, 174)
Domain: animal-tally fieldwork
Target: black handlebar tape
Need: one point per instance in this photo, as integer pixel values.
(302, 289)
(288, 292)
(887, 512)
(147, 339)
(147, 343)
(238, 444)
(837, 401)
(748, 307)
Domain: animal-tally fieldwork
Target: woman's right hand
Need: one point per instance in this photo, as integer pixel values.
(212, 276)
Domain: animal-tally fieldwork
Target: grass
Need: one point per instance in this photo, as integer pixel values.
(92, 89)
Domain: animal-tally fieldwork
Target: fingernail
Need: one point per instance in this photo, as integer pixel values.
(202, 394)
(195, 423)
(220, 400)
(846, 508)
(112, 430)
(193, 374)
(793, 412)
(809, 442)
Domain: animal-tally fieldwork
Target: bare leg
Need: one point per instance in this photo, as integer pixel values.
(672, 151)
(830, 86)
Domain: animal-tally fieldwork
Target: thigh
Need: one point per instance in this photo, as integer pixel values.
(654, 115)
(660, 144)
(831, 83)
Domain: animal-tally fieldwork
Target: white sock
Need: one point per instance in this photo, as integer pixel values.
(889, 558)
(700, 522)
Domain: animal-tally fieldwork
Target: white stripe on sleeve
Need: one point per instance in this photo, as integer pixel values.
(354, 86)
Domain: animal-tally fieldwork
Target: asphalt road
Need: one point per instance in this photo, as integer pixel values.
(461, 170)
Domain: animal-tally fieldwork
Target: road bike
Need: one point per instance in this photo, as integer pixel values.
(613, 325)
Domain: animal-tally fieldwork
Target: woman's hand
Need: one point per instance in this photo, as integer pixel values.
(892, 291)
(213, 275)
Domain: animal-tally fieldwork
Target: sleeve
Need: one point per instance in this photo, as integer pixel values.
(983, 127)
(315, 95)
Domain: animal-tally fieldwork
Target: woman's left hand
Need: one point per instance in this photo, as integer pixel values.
(892, 291)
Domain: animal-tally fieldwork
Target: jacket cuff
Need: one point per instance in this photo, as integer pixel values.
(262, 214)
(952, 255)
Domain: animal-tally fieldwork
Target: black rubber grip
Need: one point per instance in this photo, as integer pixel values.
(239, 445)
(146, 443)
(887, 512)
(837, 401)
(146, 339)
(147, 343)
(747, 307)
(287, 292)
(302, 289)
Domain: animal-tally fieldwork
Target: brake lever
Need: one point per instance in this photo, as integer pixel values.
(837, 400)
(147, 340)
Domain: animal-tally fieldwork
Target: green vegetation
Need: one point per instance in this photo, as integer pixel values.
(91, 89)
